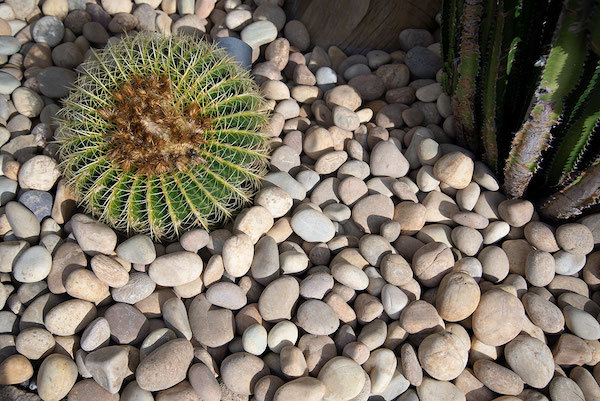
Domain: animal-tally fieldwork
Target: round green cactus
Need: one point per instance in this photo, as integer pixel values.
(161, 134)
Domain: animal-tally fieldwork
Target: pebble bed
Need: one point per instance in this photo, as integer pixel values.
(378, 262)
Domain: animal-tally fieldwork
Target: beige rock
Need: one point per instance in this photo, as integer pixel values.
(109, 366)
(575, 238)
(498, 318)
(443, 355)
(109, 271)
(15, 369)
(34, 343)
(454, 169)
(420, 317)
(543, 313)
(498, 378)
(531, 359)
(165, 366)
(83, 284)
(539, 268)
(431, 262)
(210, 327)
(472, 387)
(517, 251)
(56, 376)
(69, 317)
(516, 212)
(240, 372)
(303, 388)
(272, 305)
(411, 216)
(434, 390)
(457, 296)
(317, 317)
(175, 268)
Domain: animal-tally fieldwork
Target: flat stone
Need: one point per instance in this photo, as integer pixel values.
(39, 202)
(32, 265)
(259, 33)
(138, 287)
(93, 237)
(175, 268)
(312, 226)
(56, 82)
(69, 317)
(240, 372)
(165, 366)
(137, 249)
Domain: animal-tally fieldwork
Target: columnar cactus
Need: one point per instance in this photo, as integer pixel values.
(161, 134)
(525, 83)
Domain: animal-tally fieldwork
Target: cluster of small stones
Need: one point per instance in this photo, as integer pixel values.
(379, 261)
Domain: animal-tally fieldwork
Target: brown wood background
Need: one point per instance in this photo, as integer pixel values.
(357, 26)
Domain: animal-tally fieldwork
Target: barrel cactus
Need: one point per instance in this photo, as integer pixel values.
(161, 134)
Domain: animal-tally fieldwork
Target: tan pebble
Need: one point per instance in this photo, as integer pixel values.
(109, 271)
(84, 284)
(540, 235)
(575, 238)
(420, 317)
(498, 378)
(292, 361)
(469, 384)
(15, 369)
(457, 296)
(56, 376)
(454, 169)
(498, 317)
(443, 355)
(431, 262)
(516, 212)
(571, 350)
(304, 388)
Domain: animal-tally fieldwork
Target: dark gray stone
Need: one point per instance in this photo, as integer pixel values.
(422, 62)
(39, 202)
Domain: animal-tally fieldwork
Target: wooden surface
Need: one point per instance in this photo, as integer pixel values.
(358, 26)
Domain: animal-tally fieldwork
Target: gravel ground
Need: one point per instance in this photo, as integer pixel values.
(379, 261)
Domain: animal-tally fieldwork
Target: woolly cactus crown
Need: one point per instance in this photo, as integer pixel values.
(161, 134)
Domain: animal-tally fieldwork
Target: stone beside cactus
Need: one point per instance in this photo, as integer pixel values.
(525, 82)
(161, 134)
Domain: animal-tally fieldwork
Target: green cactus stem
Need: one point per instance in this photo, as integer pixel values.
(161, 134)
(560, 76)
(463, 102)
